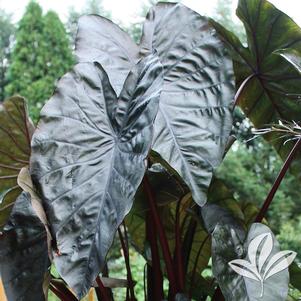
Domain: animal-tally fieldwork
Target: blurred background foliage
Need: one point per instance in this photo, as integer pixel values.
(37, 51)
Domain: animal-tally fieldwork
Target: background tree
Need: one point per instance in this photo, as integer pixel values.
(38, 58)
(91, 7)
(7, 30)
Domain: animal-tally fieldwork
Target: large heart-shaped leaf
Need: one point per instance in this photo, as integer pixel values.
(88, 159)
(23, 253)
(194, 118)
(272, 86)
(15, 135)
(100, 40)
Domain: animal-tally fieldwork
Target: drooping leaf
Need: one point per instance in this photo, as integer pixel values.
(15, 135)
(25, 182)
(194, 118)
(24, 259)
(100, 40)
(293, 56)
(273, 89)
(88, 159)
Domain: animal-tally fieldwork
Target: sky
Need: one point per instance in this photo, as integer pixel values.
(127, 11)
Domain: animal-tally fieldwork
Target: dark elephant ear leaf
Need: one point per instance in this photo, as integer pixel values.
(195, 111)
(100, 40)
(23, 253)
(15, 135)
(273, 89)
(88, 159)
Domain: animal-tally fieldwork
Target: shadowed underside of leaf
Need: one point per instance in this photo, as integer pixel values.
(88, 159)
(15, 136)
(23, 253)
(194, 118)
(168, 192)
(274, 92)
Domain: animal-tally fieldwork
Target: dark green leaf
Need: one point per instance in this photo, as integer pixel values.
(295, 276)
(100, 40)
(23, 253)
(274, 92)
(15, 136)
(89, 158)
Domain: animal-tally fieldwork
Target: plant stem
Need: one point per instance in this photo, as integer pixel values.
(218, 295)
(162, 237)
(154, 273)
(178, 258)
(195, 265)
(63, 290)
(261, 285)
(188, 240)
(241, 88)
(277, 182)
(103, 291)
(127, 263)
(58, 293)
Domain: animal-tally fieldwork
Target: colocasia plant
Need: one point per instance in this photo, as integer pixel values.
(127, 147)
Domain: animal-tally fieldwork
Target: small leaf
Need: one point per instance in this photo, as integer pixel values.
(280, 261)
(245, 269)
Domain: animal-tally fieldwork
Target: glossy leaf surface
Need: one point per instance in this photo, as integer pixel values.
(273, 92)
(292, 56)
(194, 118)
(88, 160)
(23, 253)
(15, 135)
(100, 40)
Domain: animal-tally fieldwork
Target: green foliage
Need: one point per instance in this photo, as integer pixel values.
(38, 58)
(290, 235)
(7, 29)
(250, 173)
(91, 7)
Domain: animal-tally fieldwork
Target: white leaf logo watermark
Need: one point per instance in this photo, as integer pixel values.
(258, 267)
